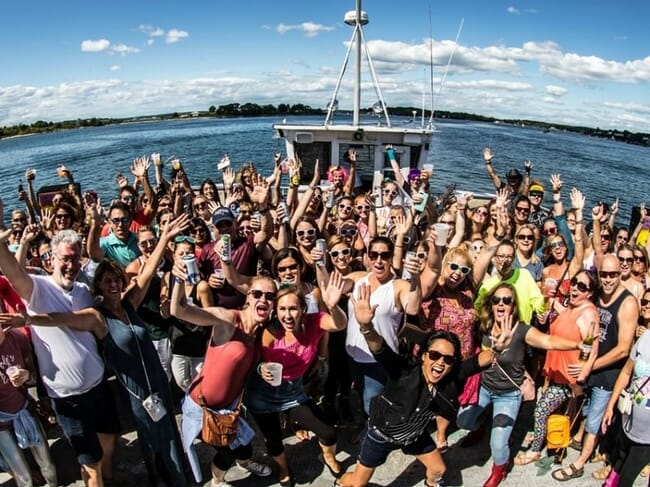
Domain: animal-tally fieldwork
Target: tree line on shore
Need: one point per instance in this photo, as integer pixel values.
(232, 110)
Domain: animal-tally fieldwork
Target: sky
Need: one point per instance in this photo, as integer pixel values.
(566, 62)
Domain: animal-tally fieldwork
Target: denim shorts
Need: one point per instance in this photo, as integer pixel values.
(374, 449)
(594, 410)
(82, 416)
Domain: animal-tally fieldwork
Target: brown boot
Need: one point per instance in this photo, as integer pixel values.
(499, 473)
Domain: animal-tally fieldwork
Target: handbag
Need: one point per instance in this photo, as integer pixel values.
(558, 429)
(218, 428)
(624, 402)
(527, 387)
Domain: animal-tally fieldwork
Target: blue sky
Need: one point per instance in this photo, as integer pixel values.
(573, 62)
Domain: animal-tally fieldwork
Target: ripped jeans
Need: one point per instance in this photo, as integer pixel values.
(504, 414)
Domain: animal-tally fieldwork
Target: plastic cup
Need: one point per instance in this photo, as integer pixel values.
(427, 168)
(219, 273)
(442, 229)
(550, 285)
(12, 371)
(275, 369)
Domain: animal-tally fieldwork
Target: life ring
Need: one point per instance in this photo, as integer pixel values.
(358, 135)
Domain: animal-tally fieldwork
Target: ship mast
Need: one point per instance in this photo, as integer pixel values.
(357, 66)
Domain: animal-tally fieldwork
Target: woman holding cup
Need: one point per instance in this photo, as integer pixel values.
(288, 348)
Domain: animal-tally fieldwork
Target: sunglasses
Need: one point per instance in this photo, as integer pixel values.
(257, 294)
(306, 233)
(504, 257)
(530, 237)
(61, 216)
(639, 258)
(343, 252)
(645, 302)
(407, 239)
(463, 269)
(197, 230)
(549, 231)
(363, 208)
(625, 260)
(146, 243)
(123, 220)
(582, 287)
(45, 255)
(128, 198)
(507, 300)
(522, 209)
(434, 356)
(481, 212)
(374, 255)
(184, 238)
(286, 268)
(536, 194)
(605, 236)
(348, 232)
(345, 207)
(608, 274)
(201, 205)
(452, 222)
(390, 192)
(19, 219)
(421, 255)
(554, 245)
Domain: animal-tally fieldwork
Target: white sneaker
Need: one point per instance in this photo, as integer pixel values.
(256, 468)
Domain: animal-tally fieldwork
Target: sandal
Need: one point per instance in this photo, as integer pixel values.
(524, 458)
(528, 439)
(602, 473)
(575, 444)
(562, 475)
(442, 447)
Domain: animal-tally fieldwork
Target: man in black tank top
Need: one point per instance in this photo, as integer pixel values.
(619, 312)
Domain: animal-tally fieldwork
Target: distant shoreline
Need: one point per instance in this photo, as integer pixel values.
(250, 110)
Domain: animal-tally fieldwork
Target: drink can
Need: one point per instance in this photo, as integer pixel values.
(227, 249)
(193, 276)
(322, 246)
(379, 199)
(330, 200)
(406, 274)
(285, 207)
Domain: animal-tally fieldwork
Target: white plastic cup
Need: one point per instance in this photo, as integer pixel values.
(442, 230)
(427, 168)
(12, 371)
(550, 285)
(219, 273)
(275, 369)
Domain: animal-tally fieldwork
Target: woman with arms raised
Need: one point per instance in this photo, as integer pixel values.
(130, 352)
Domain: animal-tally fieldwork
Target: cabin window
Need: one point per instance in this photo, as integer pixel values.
(308, 154)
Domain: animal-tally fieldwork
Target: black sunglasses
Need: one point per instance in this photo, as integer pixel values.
(626, 260)
(257, 294)
(608, 274)
(434, 356)
(645, 302)
(124, 220)
(507, 300)
(374, 255)
(582, 287)
(291, 267)
(348, 232)
(526, 237)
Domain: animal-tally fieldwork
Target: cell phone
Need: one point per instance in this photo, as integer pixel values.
(422, 204)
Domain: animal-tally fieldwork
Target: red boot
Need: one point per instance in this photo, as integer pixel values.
(499, 473)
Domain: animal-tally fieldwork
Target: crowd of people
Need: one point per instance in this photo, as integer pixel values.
(287, 297)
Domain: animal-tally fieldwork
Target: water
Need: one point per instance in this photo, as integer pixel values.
(602, 169)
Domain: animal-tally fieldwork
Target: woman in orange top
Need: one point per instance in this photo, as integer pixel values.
(577, 322)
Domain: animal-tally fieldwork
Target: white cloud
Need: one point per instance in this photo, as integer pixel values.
(123, 49)
(175, 35)
(512, 10)
(556, 90)
(310, 29)
(151, 31)
(150, 42)
(95, 46)
(115, 67)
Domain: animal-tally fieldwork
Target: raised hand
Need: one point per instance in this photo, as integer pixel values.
(121, 180)
(501, 341)
(642, 210)
(352, 155)
(614, 208)
(140, 166)
(401, 225)
(577, 199)
(30, 174)
(528, 165)
(47, 215)
(364, 312)
(260, 192)
(175, 226)
(31, 231)
(487, 154)
(556, 183)
(502, 198)
(334, 290)
(597, 212)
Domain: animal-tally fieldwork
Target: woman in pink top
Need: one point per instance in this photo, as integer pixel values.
(292, 341)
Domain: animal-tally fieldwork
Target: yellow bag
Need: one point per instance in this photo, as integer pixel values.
(558, 432)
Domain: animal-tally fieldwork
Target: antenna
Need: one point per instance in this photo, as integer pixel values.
(451, 56)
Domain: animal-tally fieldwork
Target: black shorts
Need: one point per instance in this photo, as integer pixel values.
(81, 417)
(375, 449)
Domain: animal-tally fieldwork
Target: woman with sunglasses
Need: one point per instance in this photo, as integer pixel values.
(364, 210)
(201, 233)
(578, 322)
(640, 266)
(344, 214)
(306, 234)
(188, 341)
(525, 255)
(625, 254)
(389, 196)
(501, 384)
(558, 271)
(413, 394)
(231, 356)
(128, 349)
(293, 341)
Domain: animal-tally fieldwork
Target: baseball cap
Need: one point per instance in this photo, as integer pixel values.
(514, 174)
(222, 214)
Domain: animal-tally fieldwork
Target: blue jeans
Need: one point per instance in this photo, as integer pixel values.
(17, 463)
(504, 414)
(369, 378)
(594, 410)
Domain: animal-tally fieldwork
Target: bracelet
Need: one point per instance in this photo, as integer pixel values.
(487, 163)
(259, 368)
(322, 358)
(578, 222)
(366, 331)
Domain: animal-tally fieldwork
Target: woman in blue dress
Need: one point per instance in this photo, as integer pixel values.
(128, 349)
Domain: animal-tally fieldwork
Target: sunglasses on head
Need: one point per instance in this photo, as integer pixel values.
(123, 220)
(529, 237)
(645, 302)
(290, 267)
(348, 232)
(463, 269)
(582, 287)
(434, 356)
(608, 274)
(343, 252)
(257, 294)
(549, 231)
(554, 245)
(184, 238)
(507, 300)
(306, 233)
(374, 255)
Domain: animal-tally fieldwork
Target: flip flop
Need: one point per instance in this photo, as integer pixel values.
(524, 458)
(562, 475)
(442, 447)
(602, 473)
